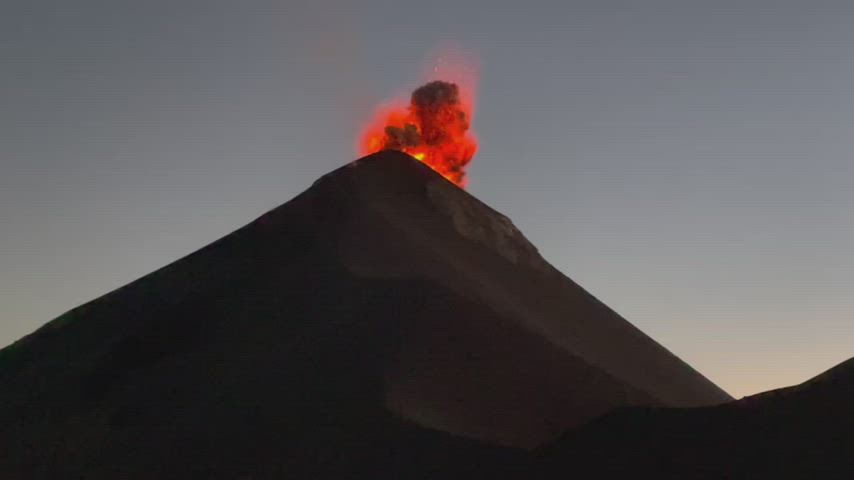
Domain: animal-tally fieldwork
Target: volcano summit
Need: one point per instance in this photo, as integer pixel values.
(382, 324)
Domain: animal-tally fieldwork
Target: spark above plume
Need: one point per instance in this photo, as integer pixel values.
(434, 128)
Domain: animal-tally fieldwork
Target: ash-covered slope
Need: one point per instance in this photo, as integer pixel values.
(316, 338)
(804, 431)
(473, 373)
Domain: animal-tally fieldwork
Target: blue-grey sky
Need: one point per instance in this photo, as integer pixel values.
(689, 163)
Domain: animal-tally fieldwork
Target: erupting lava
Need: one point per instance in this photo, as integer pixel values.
(434, 128)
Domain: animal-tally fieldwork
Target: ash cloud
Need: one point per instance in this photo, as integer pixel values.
(436, 109)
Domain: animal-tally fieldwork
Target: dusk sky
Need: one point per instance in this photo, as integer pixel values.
(688, 163)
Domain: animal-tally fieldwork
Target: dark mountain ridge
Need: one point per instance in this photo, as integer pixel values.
(804, 431)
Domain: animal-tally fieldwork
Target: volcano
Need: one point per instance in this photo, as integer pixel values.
(382, 324)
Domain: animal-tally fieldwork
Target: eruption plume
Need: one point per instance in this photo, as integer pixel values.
(434, 128)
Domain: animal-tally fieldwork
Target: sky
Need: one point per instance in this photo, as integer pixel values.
(689, 163)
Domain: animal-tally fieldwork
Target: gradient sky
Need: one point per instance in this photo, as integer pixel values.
(689, 163)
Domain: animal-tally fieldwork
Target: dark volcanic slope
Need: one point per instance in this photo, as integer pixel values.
(805, 431)
(314, 337)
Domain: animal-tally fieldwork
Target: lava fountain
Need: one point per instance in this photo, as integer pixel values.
(434, 128)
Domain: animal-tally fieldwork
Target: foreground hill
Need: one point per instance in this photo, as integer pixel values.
(382, 321)
(805, 431)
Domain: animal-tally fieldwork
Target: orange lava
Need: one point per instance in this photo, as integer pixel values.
(433, 128)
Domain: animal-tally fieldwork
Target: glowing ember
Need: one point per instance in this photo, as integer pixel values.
(433, 128)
